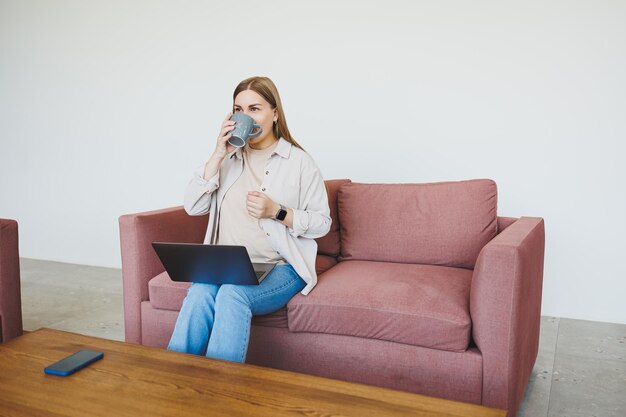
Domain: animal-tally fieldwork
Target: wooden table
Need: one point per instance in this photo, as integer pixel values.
(135, 380)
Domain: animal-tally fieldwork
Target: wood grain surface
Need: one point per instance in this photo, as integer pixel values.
(133, 380)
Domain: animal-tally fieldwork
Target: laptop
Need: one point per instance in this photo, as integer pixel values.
(210, 264)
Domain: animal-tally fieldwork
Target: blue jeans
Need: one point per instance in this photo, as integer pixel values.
(215, 319)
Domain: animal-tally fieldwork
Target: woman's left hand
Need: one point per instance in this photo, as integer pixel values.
(260, 206)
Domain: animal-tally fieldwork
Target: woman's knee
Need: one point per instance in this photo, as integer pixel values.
(231, 293)
(201, 294)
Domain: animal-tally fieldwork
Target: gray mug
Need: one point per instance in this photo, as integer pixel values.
(242, 132)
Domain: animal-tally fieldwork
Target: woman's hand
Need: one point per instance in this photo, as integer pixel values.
(260, 206)
(222, 148)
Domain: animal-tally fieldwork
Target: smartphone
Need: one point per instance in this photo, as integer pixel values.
(74, 362)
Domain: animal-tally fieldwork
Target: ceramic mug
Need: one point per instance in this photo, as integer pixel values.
(242, 132)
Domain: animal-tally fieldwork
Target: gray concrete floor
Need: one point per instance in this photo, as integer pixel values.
(580, 369)
(77, 298)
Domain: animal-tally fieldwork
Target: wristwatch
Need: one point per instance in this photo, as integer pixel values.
(282, 213)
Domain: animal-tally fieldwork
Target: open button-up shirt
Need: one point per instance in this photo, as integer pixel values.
(291, 179)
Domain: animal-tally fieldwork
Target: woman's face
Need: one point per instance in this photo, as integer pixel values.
(251, 103)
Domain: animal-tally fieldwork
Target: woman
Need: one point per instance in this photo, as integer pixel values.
(246, 192)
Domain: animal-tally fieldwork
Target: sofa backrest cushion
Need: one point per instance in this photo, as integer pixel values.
(444, 223)
(329, 244)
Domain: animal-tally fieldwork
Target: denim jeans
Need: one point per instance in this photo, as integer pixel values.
(215, 319)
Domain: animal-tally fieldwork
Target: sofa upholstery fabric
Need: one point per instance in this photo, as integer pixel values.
(10, 289)
(444, 223)
(329, 244)
(421, 305)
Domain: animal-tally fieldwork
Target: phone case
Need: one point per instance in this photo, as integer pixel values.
(73, 362)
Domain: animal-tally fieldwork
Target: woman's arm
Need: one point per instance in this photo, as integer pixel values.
(312, 220)
(199, 191)
(207, 178)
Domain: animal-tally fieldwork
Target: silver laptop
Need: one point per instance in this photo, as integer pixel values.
(210, 264)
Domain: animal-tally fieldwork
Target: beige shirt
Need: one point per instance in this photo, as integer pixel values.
(292, 180)
(236, 225)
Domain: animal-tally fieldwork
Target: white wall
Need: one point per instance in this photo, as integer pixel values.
(106, 107)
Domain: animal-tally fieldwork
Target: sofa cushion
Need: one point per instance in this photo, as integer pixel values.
(421, 305)
(444, 223)
(329, 244)
(166, 294)
(323, 263)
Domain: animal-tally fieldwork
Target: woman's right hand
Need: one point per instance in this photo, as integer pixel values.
(222, 147)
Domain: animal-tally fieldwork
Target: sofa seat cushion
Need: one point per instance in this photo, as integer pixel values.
(166, 294)
(420, 305)
(169, 295)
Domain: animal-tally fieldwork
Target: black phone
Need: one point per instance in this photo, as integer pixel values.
(74, 362)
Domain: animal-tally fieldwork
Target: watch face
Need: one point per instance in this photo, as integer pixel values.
(282, 214)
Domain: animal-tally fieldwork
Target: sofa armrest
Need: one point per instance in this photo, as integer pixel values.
(139, 261)
(505, 306)
(10, 297)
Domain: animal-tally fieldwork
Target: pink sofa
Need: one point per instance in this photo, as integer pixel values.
(421, 287)
(10, 297)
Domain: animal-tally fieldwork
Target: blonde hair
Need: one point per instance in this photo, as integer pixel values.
(267, 89)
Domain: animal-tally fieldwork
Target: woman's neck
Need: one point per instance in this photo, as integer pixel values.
(264, 144)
